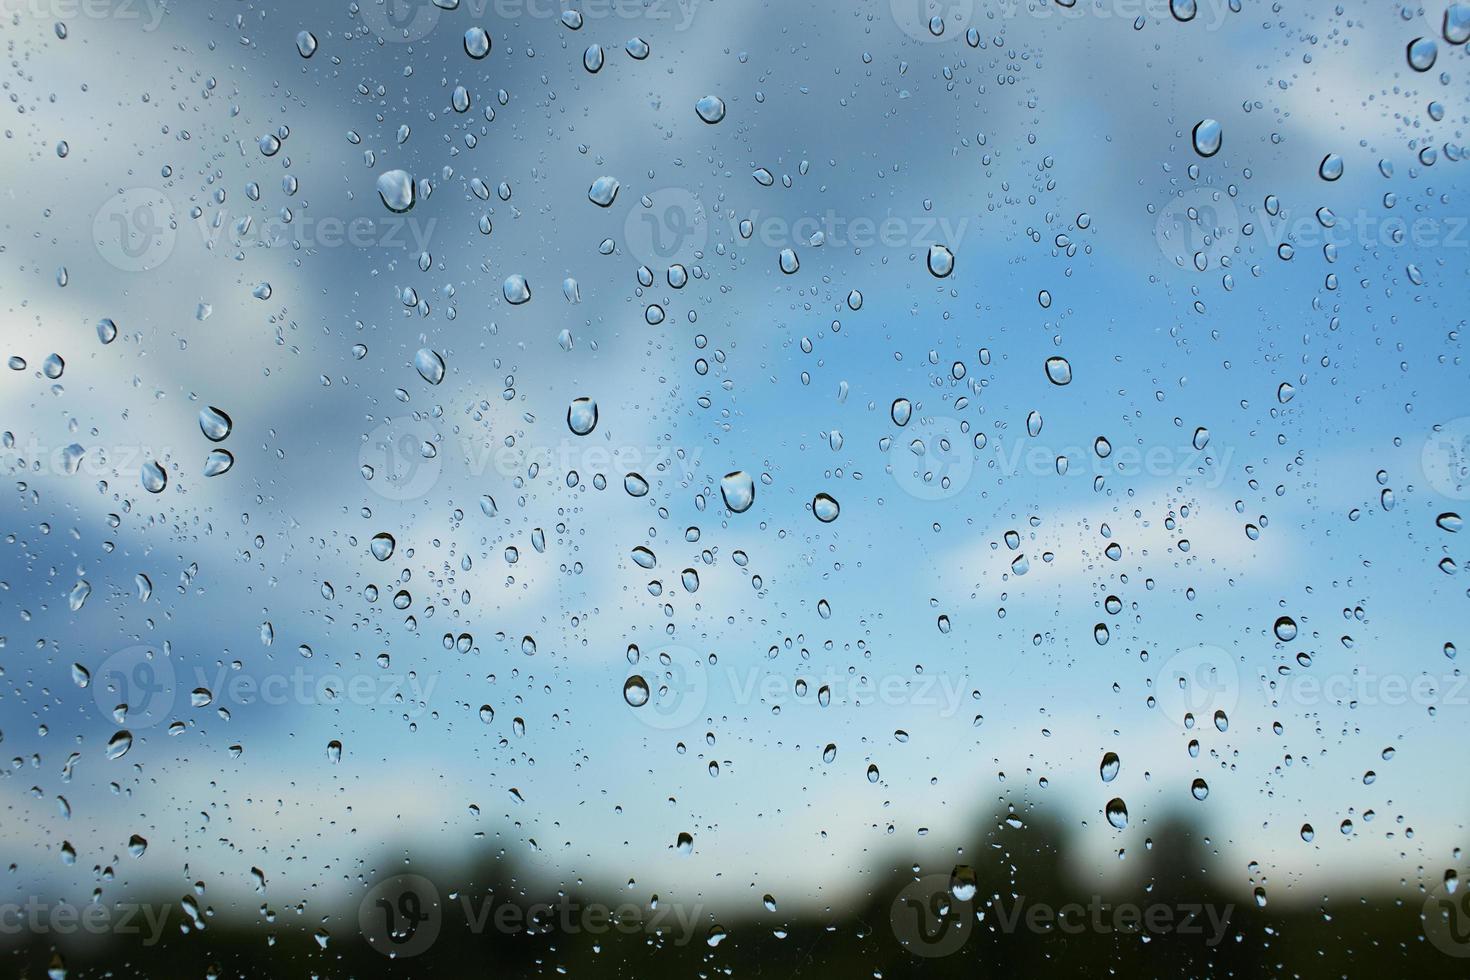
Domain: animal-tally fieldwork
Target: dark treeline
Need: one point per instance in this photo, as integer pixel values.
(1172, 918)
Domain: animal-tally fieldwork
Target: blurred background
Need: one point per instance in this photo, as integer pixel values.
(874, 486)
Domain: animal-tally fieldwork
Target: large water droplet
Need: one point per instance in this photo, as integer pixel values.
(382, 546)
(516, 289)
(582, 416)
(603, 192)
(214, 423)
(476, 43)
(1422, 53)
(154, 477)
(218, 461)
(941, 261)
(430, 365)
(738, 491)
(710, 108)
(1208, 135)
(395, 187)
(635, 691)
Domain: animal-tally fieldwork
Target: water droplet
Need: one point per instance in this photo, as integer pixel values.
(1422, 53)
(218, 461)
(1331, 167)
(825, 508)
(901, 411)
(382, 546)
(582, 416)
(1208, 135)
(118, 745)
(1110, 766)
(603, 192)
(214, 423)
(306, 44)
(940, 261)
(476, 43)
(635, 691)
(154, 477)
(1117, 812)
(1285, 629)
(738, 491)
(396, 189)
(1058, 371)
(710, 108)
(516, 290)
(1457, 23)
